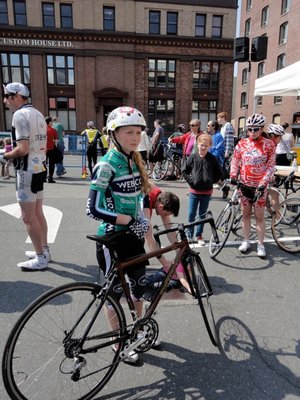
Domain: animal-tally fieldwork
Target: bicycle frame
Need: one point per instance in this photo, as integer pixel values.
(183, 250)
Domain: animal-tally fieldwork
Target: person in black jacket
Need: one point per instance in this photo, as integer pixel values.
(201, 170)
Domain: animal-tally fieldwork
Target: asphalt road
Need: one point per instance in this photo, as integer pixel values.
(256, 305)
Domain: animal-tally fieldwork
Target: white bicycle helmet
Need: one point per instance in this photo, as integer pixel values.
(275, 129)
(256, 120)
(124, 116)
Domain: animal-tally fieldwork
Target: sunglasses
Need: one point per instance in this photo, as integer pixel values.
(253, 129)
(193, 125)
(7, 95)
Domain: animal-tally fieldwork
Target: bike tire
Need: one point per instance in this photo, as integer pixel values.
(286, 225)
(160, 170)
(204, 292)
(38, 356)
(224, 225)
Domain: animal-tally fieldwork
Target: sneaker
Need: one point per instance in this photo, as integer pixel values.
(245, 246)
(261, 251)
(192, 241)
(34, 265)
(225, 191)
(201, 241)
(131, 358)
(32, 254)
(216, 186)
(63, 173)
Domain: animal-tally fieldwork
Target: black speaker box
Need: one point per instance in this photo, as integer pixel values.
(259, 47)
(241, 49)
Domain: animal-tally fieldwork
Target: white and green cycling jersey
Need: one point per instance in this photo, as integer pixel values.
(114, 190)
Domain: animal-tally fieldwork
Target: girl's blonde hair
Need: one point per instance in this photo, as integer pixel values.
(205, 137)
(144, 175)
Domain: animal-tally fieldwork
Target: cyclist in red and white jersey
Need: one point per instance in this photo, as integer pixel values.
(254, 162)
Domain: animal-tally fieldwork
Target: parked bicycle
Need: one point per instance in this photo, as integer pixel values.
(62, 343)
(229, 218)
(170, 165)
(286, 220)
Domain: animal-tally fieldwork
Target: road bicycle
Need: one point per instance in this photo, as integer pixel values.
(229, 218)
(61, 346)
(170, 165)
(286, 224)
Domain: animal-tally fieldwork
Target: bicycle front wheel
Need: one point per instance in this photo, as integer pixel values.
(204, 291)
(42, 357)
(286, 225)
(224, 226)
(160, 170)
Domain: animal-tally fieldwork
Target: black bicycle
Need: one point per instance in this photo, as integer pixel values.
(170, 165)
(62, 343)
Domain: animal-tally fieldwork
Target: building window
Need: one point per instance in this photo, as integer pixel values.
(264, 16)
(283, 33)
(260, 70)
(217, 26)
(64, 108)
(60, 70)
(161, 73)
(259, 101)
(48, 15)
(66, 15)
(247, 27)
(281, 61)
(15, 68)
(276, 119)
(163, 110)
(204, 110)
(200, 25)
(206, 75)
(245, 76)
(20, 12)
(3, 12)
(172, 23)
(154, 22)
(248, 5)
(244, 103)
(285, 6)
(277, 99)
(241, 127)
(109, 18)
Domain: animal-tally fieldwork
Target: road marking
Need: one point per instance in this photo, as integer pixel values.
(52, 215)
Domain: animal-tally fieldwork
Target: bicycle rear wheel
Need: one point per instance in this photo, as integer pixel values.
(286, 225)
(224, 226)
(204, 291)
(160, 170)
(38, 360)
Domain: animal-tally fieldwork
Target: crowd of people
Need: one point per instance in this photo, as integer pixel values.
(121, 195)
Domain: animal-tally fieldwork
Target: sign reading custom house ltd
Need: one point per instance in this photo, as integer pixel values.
(35, 42)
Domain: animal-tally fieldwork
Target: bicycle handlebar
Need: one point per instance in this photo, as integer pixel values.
(182, 227)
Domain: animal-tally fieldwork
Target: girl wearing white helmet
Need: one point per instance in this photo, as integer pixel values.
(254, 162)
(119, 181)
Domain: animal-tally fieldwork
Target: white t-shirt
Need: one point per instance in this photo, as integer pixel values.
(286, 144)
(29, 124)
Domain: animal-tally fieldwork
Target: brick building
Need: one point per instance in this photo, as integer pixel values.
(80, 59)
(278, 20)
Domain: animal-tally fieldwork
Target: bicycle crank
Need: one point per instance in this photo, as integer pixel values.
(144, 334)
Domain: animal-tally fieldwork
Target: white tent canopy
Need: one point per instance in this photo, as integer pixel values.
(285, 82)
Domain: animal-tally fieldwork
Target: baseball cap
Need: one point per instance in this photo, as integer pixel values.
(16, 87)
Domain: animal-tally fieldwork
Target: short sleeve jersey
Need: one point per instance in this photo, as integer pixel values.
(118, 191)
(29, 124)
